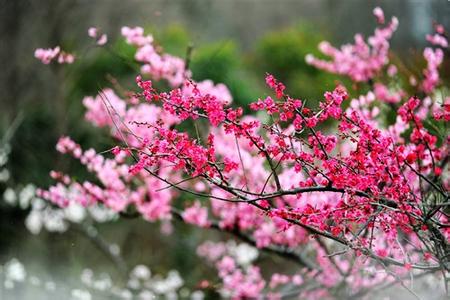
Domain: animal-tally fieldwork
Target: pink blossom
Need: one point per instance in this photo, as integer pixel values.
(287, 182)
(434, 59)
(362, 60)
(47, 55)
(379, 14)
(437, 40)
(196, 214)
(100, 39)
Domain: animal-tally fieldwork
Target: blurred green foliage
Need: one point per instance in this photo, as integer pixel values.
(282, 53)
(220, 61)
(174, 38)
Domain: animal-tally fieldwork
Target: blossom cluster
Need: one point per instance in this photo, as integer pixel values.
(357, 206)
(362, 60)
(100, 38)
(140, 282)
(46, 56)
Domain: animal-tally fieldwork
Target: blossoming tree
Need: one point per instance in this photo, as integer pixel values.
(359, 207)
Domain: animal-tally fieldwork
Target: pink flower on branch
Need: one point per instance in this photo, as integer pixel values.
(46, 56)
(197, 215)
(334, 200)
(101, 39)
(362, 60)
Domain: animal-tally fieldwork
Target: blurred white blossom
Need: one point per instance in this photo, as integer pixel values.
(81, 294)
(197, 295)
(54, 220)
(34, 222)
(4, 152)
(4, 175)
(146, 295)
(26, 194)
(101, 213)
(10, 197)
(15, 271)
(141, 272)
(172, 282)
(243, 253)
(75, 212)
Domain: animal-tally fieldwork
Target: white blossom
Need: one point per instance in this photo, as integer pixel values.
(103, 283)
(4, 175)
(75, 212)
(114, 249)
(10, 197)
(81, 294)
(87, 277)
(25, 195)
(3, 157)
(54, 220)
(165, 286)
(101, 213)
(244, 254)
(197, 295)
(15, 271)
(146, 295)
(141, 272)
(34, 221)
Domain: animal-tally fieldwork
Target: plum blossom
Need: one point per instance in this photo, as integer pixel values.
(196, 214)
(283, 183)
(362, 60)
(434, 59)
(101, 39)
(46, 56)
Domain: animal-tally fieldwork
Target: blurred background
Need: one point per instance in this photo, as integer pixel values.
(235, 42)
